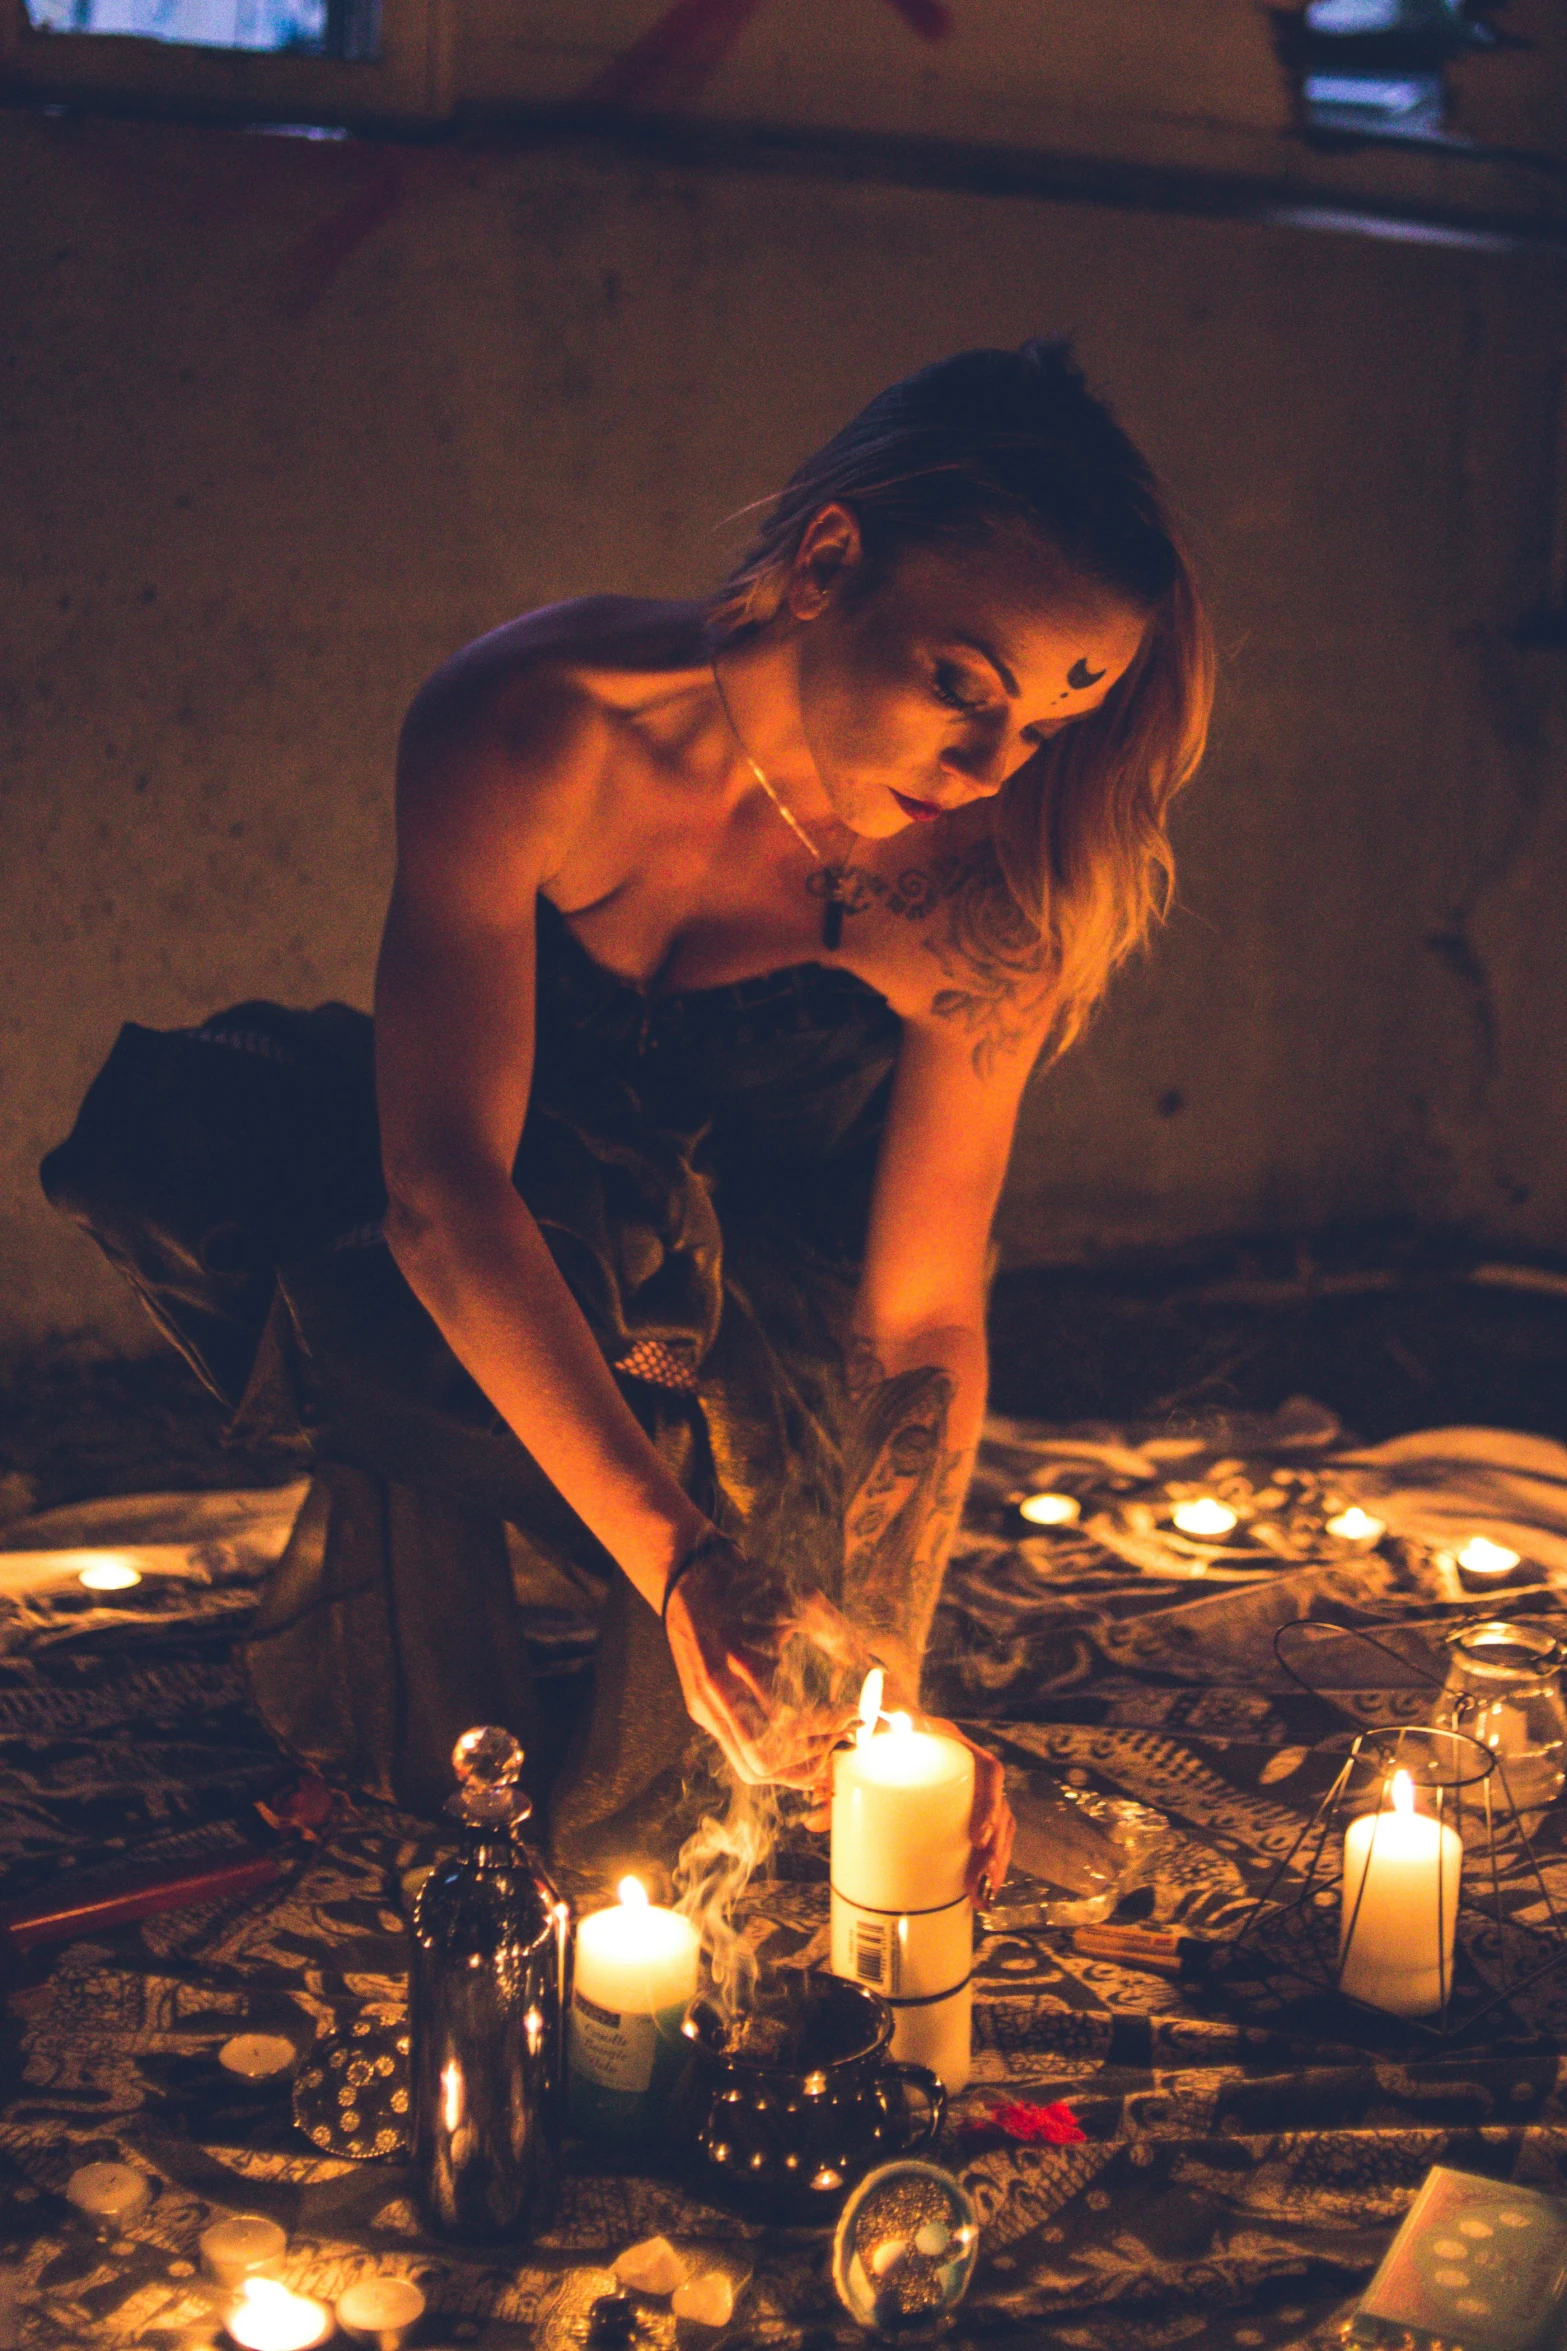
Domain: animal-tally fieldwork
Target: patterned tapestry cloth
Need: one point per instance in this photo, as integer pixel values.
(1242, 2167)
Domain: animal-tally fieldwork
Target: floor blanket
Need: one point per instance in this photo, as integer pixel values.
(1238, 2176)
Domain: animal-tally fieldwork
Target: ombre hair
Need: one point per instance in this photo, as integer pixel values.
(1007, 440)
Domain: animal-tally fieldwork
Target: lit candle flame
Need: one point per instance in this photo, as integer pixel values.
(452, 2100)
(264, 2294)
(870, 1704)
(1050, 1510)
(1204, 1517)
(267, 2316)
(109, 1574)
(1481, 1557)
(1355, 1525)
(901, 1725)
(1402, 1792)
(633, 1893)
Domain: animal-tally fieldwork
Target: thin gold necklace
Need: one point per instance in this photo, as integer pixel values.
(833, 899)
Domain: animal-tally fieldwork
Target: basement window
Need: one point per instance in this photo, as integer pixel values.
(335, 62)
(313, 28)
(1375, 69)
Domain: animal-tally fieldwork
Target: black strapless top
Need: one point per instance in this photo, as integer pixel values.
(776, 1074)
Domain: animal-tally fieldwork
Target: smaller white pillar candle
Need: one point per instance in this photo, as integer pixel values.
(1357, 1526)
(267, 2316)
(239, 2245)
(110, 2194)
(1400, 1906)
(1205, 1517)
(381, 2310)
(1050, 1510)
(635, 1975)
(258, 2058)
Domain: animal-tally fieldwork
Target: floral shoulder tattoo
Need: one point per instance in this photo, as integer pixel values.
(1000, 974)
(999, 968)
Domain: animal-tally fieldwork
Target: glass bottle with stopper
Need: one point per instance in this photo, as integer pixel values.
(485, 2010)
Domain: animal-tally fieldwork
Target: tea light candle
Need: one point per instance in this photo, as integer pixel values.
(109, 1574)
(110, 2194)
(1486, 1560)
(260, 2059)
(1205, 1517)
(902, 1923)
(1400, 1906)
(1050, 1510)
(1357, 1526)
(267, 2316)
(381, 2310)
(239, 2244)
(635, 1977)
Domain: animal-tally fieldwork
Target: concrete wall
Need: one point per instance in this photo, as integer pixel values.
(285, 422)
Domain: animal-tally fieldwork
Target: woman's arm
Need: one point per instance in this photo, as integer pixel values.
(485, 799)
(918, 1364)
(489, 796)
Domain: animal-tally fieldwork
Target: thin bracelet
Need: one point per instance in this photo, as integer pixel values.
(710, 1535)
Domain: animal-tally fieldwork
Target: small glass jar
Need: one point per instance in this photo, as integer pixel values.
(1504, 1690)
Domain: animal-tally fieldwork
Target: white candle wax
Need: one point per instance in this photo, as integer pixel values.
(109, 2193)
(1483, 1558)
(1206, 1517)
(109, 1574)
(1050, 1510)
(235, 2247)
(257, 2057)
(1400, 1907)
(1357, 1526)
(267, 2316)
(381, 2310)
(900, 1820)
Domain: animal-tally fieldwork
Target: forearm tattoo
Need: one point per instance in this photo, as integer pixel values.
(904, 1488)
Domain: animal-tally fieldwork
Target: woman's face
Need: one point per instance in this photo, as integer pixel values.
(932, 689)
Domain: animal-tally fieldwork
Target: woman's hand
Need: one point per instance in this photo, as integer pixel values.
(991, 1825)
(772, 1673)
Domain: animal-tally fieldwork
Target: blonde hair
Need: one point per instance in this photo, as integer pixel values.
(985, 441)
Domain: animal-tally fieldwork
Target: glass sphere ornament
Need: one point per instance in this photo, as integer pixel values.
(905, 2249)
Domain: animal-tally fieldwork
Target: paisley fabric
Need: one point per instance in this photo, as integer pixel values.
(1242, 2170)
(700, 1165)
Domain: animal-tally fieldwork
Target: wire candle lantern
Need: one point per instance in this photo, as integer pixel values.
(1411, 1892)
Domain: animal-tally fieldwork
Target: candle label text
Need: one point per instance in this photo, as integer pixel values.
(617, 2052)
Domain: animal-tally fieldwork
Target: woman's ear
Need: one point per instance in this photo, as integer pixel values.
(831, 549)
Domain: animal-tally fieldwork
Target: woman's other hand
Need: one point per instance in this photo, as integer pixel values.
(991, 1825)
(773, 1674)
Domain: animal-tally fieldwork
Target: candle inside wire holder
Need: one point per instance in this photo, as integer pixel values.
(1408, 1892)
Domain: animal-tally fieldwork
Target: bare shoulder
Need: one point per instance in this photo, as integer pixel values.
(504, 748)
(951, 948)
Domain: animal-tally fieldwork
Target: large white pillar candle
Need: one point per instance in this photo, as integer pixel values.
(635, 1976)
(1400, 1906)
(902, 1923)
